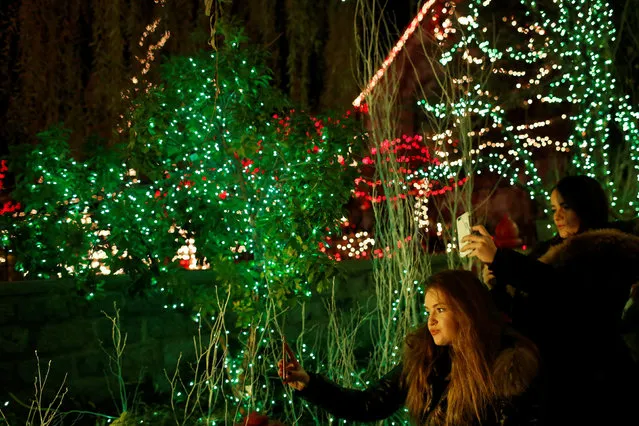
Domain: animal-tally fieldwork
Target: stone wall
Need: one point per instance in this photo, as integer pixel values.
(73, 333)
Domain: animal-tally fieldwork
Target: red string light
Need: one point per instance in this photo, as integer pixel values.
(8, 206)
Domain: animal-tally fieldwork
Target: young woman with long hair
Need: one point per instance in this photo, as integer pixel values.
(462, 367)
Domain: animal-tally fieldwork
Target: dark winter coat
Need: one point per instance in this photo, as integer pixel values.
(519, 307)
(579, 288)
(515, 372)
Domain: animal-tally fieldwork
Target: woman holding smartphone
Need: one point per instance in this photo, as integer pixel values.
(463, 367)
(579, 204)
(575, 295)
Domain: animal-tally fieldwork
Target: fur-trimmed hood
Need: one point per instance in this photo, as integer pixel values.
(602, 246)
(597, 260)
(516, 367)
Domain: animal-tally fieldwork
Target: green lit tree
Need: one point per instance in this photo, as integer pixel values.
(218, 161)
(221, 172)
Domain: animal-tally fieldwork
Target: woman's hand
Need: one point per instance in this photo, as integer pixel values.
(488, 277)
(483, 247)
(290, 370)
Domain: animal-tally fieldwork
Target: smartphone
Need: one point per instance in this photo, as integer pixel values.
(284, 357)
(463, 229)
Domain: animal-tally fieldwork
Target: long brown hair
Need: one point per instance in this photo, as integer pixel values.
(471, 390)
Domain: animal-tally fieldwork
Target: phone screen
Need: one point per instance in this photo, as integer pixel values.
(463, 229)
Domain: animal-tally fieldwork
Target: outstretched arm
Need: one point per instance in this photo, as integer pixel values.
(376, 402)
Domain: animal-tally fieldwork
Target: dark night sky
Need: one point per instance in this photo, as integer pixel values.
(402, 12)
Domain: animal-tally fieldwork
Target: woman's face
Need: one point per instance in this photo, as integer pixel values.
(566, 220)
(441, 320)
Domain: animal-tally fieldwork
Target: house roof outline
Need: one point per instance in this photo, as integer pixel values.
(399, 46)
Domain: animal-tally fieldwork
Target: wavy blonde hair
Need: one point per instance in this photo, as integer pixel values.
(471, 391)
